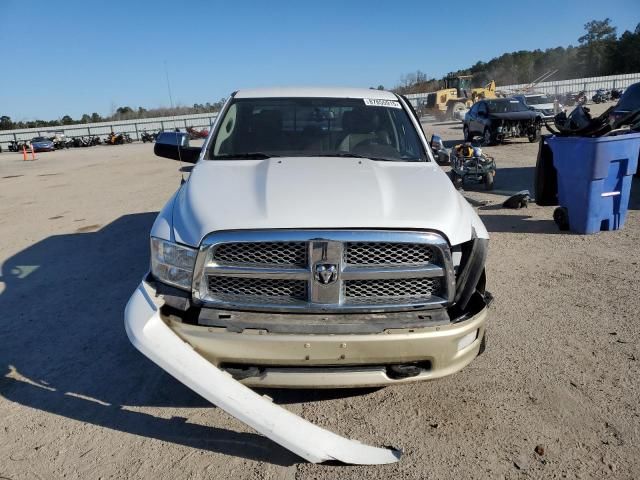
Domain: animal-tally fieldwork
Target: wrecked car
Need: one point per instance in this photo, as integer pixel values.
(545, 105)
(315, 244)
(498, 119)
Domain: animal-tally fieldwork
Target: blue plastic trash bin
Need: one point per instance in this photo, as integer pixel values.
(594, 179)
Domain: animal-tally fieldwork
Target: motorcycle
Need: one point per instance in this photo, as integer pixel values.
(601, 96)
(113, 139)
(15, 146)
(148, 137)
(616, 94)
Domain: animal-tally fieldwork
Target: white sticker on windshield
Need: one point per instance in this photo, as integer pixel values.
(379, 102)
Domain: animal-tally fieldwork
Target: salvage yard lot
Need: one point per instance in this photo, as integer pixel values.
(77, 400)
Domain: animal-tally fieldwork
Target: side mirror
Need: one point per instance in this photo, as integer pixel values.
(175, 145)
(436, 143)
(440, 153)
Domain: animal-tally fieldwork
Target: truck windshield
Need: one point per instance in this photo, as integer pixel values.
(316, 127)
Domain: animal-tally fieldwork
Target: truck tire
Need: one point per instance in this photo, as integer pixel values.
(561, 217)
(467, 134)
(487, 138)
(488, 181)
(483, 344)
(456, 180)
(455, 107)
(534, 137)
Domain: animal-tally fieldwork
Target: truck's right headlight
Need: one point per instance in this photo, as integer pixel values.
(172, 263)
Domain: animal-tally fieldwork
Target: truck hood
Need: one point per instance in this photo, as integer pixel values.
(319, 193)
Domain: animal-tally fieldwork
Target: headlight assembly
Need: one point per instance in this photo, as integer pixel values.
(172, 263)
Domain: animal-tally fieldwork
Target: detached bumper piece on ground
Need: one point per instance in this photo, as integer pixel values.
(149, 334)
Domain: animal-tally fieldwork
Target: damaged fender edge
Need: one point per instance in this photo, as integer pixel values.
(149, 334)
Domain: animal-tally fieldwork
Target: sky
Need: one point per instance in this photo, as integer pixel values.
(70, 57)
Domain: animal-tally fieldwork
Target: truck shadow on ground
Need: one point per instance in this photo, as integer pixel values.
(496, 223)
(65, 351)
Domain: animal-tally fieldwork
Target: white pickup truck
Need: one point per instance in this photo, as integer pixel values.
(316, 243)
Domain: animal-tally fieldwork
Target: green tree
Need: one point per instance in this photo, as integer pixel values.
(66, 120)
(85, 118)
(95, 117)
(6, 123)
(626, 57)
(123, 113)
(596, 46)
(598, 30)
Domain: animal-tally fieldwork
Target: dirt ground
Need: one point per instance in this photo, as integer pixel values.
(78, 401)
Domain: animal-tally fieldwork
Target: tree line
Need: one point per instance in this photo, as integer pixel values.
(117, 114)
(600, 51)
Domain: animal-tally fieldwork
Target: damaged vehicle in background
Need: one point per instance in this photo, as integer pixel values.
(315, 244)
(541, 103)
(498, 119)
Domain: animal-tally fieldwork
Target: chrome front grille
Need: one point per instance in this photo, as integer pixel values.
(271, 289)
(332, 270)
(387, 253)
(279, 254)
(396, 288)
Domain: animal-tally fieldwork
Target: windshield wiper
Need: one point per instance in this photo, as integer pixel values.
(340, 154)
(355, 155)
(245, 156)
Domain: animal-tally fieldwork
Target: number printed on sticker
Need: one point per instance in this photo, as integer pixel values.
(379, 102)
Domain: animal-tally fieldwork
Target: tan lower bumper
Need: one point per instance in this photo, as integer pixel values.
(333, 361)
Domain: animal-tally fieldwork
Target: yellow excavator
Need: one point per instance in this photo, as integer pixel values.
(456, 97)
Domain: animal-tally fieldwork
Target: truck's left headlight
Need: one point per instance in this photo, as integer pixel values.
(172, 263)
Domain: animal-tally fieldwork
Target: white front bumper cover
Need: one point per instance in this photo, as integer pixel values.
(149, 334)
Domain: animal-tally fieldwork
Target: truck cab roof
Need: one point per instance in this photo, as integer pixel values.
(315, 92)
